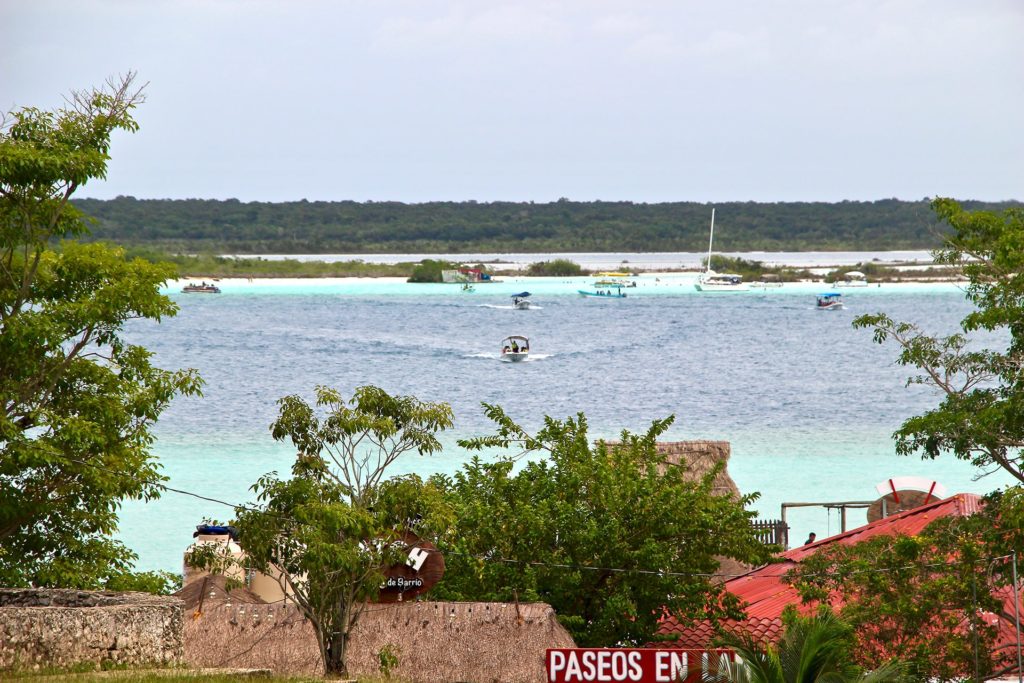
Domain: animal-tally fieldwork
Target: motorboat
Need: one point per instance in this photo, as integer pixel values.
(606, 293)
(201, 289)
(515, 348)
(468, 287)
(854, 278)
(829, 301)
(710, 281)
(608, 278)
(521, 301)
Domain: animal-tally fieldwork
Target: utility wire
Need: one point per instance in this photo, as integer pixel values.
(164, 487)
(878, 570)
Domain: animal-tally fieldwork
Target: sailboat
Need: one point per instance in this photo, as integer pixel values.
(710, 281)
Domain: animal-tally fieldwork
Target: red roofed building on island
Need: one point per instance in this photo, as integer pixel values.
(766, 594)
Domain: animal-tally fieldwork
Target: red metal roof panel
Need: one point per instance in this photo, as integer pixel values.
(766, 594)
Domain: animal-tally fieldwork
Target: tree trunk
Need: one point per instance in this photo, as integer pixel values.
(334, 661)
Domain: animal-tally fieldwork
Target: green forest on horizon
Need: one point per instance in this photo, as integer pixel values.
(318, 227)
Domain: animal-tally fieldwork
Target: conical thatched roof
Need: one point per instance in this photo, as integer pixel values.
(475, 642)
(698, 457)
(211, 590)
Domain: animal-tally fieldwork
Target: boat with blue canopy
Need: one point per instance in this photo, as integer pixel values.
(521, 301)
(829, 301)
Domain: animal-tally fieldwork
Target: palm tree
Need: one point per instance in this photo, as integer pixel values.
(813, 649)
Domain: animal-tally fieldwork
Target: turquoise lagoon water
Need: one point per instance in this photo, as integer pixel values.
(808, 403)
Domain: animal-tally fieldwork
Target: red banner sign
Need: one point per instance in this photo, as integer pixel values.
(633, 665)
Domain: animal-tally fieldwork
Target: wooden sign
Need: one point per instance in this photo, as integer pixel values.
(422, 569)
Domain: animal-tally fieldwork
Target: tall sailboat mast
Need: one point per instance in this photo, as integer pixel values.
(711, 240)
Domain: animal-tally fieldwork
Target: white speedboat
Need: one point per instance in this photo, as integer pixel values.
(829, 301)
(854, 278)
(710, 281)
(521, 301)
(515, 348)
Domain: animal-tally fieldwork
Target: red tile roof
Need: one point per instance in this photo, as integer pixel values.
(699, 635)
(766, 594)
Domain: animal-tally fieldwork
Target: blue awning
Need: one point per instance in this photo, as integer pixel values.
(521, 295)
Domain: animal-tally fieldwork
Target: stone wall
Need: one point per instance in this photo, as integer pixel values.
(62, 628)
(474, 642)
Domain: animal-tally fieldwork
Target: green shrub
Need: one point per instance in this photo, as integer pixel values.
(559, 267)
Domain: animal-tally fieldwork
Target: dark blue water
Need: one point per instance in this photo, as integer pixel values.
(807, 401)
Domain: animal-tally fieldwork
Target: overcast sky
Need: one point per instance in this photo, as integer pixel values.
(415, 101)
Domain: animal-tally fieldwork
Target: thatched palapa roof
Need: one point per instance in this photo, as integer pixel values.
(698, 458)
(211, 590)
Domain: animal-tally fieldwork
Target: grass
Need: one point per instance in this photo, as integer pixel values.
(170, 675)
(157, 676)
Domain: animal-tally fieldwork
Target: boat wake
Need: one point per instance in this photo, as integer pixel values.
(497, 356)
(533, 307)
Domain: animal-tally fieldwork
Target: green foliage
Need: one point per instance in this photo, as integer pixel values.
(158, 583)
(211, 265)
(306, 227)
(76, 400)
(756, 270)
(875, 272)
(920, 598)
(429, 270)
(387, 658)
(609, 534)
(357, 440)
(558, 267)
(336, 524)
(303, 227)
(813, 649)
(981, 415)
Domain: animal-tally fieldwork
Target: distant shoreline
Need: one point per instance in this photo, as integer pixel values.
(650, 261)
(674, 278)
(880, 266)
